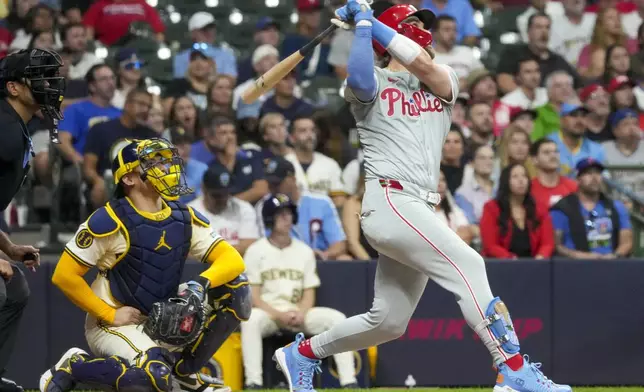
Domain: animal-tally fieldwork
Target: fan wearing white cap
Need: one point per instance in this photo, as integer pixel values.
(203, 30)
(264, 58)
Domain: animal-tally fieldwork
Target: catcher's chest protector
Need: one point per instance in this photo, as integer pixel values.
(151, 269)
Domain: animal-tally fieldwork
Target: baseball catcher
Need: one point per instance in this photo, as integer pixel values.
(146, 330)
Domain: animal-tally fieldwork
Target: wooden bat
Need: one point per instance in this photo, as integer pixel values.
(269, 79)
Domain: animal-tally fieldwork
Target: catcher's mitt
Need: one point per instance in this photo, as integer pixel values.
(177, 321)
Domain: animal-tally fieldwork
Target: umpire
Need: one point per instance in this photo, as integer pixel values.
(29, 82)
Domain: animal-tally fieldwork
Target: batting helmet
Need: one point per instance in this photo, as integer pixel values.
(394, 17)
(275, 203)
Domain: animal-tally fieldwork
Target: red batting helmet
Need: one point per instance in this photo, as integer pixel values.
(394, 17)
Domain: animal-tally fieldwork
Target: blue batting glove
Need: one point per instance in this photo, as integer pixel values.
(342, 13)
(363, 15)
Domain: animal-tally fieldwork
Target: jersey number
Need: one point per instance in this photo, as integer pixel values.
(297, 296)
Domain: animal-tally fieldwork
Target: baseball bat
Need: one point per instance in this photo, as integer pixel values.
(270, 78)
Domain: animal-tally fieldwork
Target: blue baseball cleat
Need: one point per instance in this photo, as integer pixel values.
(527, 379)
(297, 368)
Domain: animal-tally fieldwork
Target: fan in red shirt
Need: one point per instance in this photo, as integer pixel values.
(109, 20)
(548, 186)
(512, 224)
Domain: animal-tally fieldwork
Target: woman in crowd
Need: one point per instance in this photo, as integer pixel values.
(452, 161)
(608, 31)
(450, 213)
(512, 224)
(220, 96)
(40, 18)
(42, 40)
(514, 147)
(184, 114)
(478, 187)
(128, 75)
(357, 244)
(201, 71)
(618, 63)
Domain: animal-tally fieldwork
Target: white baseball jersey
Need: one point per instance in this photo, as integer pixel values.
(238, 221)
(284, 274)
(323, 175)
(402, 130)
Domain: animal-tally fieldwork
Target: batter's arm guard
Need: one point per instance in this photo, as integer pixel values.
(497, 320)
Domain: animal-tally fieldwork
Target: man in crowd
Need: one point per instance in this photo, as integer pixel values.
(551, 8)
(267, 32)
(573, 146)
(559, 86)
(101, 138)
(528, 94)
(75, 42)
(264, 58)
(285, 102)
(587, 224)
(597, 100)
(626, 150)
(468, 32)
(572, 30)
(479, 116)
(192, 168)
(233, 219)
(548, 186)
(483, 88)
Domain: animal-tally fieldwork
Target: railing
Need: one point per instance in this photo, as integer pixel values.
(636, 204)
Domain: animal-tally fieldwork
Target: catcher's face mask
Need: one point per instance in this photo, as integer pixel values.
(163, 168)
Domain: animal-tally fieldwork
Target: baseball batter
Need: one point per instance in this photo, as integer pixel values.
(403, 113)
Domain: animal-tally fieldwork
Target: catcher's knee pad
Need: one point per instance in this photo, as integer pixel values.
(498, 321)
(233, 297)
(152, 372)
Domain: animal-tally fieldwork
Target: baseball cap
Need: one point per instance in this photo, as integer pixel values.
(622, 114)
(199, 49)
(277, 169)
(588, 163)
(200, 20)
(476, 76)
(587, 91)
(218, 179)
(129, 55)
(569, 108)
(618, 82)
(309, 5)
(265, 22)
(263, 51)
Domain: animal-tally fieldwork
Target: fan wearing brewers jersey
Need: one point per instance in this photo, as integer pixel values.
(283, 277)
(314, 171)
(233, 219)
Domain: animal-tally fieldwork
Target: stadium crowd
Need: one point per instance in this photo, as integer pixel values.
(522, 164)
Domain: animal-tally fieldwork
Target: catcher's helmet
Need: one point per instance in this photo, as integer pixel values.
(275, 203)
(394, 17)
(160, 164)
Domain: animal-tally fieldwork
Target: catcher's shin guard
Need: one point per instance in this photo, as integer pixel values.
(151, 372)
(232, 304)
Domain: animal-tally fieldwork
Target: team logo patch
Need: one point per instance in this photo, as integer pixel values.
(84, 239)
(187, 323)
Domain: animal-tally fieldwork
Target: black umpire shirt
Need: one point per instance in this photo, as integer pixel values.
(15, 152)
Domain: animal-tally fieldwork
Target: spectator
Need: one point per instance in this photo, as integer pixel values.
(156, 121)
(478, 187)
(219, 147)
(451, 214)
(461, 10)
(6, 36)
(551, 8)
(203, 31)
(194, 85)
(193, 170)
(267, 32)
(633, 20)
(318, 224)
(587, 224)
(264, 58)
(41, 18)
(314, 171)
(332, 138)
(183, 113)
(623, 7)
(608, 31)
(283, 278)
(19, 17)
(572, 31)
(637, 59)
(618, 63)
(513, 147)
(75, 89)
(560, 90)
(548, 186)
(459, 113)
(523, 118)
(272, 128)
(483, 88)
(220, 96)
(595, 98)
(513, 225)
(537, 48)
(128, 75)
(42, 40)
(98, 153)
(480, 119)
(460, 57)
(233, 219)
(573, 146)
(626, 150)
(452, 163)
(75, 42)
(621, 93)
(81, 116)
(109, 20)
(528, 94)
(307, 27)
(285, 101)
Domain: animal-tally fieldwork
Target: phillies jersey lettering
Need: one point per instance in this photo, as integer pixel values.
(403, 129)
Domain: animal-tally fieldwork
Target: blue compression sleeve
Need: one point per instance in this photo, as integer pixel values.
(360, 66)
(382, 33)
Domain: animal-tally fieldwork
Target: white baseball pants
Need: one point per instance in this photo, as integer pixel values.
(414, 245)
(316, 321)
